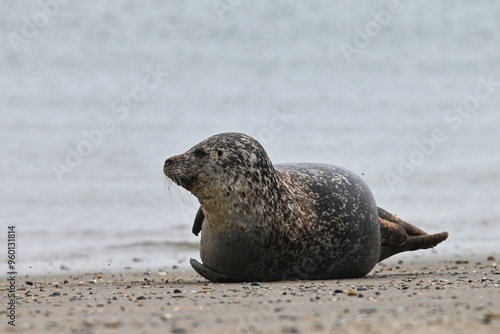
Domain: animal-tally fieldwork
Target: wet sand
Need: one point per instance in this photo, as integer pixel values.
(413, 295)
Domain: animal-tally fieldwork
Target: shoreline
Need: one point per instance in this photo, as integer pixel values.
(417, 295)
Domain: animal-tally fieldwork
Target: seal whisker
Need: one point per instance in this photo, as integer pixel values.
(168, 184)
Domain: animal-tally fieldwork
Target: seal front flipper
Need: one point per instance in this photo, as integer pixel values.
(211, 274)
(198, 220)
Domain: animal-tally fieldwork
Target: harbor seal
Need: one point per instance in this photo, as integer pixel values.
(265, 222)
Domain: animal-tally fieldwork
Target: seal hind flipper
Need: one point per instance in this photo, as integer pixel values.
(198, 220)
(211, 274)
(409, 228)
(413, 243)
(392, 234)
(398, 236)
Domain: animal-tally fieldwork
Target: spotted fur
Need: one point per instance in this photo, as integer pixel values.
(265, 222)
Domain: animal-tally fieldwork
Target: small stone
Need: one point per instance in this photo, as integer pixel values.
(92, 281)
(112, 324)
(368, 310)
(177, 291)
(290, 329)
(55, 293)
(488, 316)
(29, 282)
(351, 293)
(338, 291)
(491, 258)
(255, 284)
(142, 297)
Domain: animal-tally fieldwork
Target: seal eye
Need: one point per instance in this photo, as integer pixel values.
(200, 153)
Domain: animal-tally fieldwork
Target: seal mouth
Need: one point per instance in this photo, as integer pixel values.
(183, 181)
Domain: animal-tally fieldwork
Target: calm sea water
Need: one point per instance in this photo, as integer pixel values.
(407, 96)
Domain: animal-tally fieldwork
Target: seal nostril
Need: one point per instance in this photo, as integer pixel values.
(169, 161)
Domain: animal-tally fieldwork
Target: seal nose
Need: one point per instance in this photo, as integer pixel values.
(167, 164)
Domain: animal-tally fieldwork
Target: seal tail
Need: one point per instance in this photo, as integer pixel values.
(399, 236)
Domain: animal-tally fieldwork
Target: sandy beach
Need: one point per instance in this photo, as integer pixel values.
(413, 295)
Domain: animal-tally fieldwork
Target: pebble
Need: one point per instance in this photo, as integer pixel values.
(112, 324)
(368, 310)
